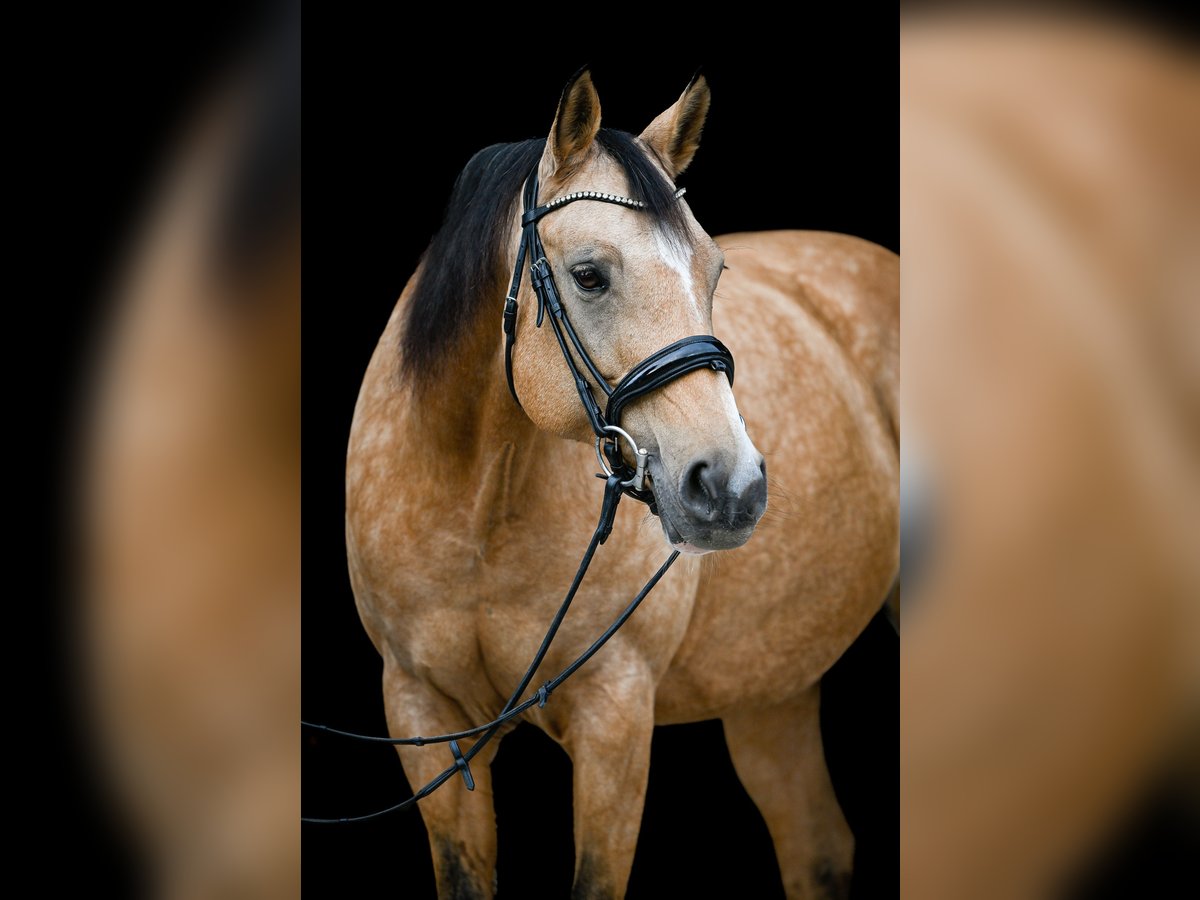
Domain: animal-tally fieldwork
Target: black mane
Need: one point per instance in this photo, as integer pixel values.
(461, 274)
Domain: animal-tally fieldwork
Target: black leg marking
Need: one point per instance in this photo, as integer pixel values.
(457, 882)
(590, 882)
(831, 885)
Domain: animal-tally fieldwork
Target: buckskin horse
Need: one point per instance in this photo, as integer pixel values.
(468, 492)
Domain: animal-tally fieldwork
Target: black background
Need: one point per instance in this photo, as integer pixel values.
(799, 136)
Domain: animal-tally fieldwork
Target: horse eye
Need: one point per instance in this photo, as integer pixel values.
(588, 278)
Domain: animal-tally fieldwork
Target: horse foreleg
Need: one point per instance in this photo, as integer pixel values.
(778, 756)
(607, 735)
(461, 823)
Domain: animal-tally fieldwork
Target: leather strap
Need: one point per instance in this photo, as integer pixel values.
(528, 236)
(664, 366)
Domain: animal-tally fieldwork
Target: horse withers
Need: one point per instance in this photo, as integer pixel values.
(458, 563)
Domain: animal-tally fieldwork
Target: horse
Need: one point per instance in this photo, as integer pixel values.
(464, 501)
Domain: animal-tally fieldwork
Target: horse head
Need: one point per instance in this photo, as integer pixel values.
(633, 275)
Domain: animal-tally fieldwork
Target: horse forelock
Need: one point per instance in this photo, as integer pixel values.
(462, 271)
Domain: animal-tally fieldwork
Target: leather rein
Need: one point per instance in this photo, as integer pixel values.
(655, 371)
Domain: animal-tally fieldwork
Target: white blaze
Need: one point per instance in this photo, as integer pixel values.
(746, 469)
(677, 256)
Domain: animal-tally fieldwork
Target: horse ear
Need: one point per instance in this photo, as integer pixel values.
(675, 135)
(575, 125)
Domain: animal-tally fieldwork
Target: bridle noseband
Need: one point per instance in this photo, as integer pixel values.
(658, 369)
(655, 371)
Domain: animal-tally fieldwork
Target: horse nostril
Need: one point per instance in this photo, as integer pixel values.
(714, 482)
(708, 493)
(697, 490)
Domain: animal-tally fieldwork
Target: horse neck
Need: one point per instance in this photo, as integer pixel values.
(466, 426)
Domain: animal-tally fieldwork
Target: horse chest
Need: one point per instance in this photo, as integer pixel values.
(469, 615)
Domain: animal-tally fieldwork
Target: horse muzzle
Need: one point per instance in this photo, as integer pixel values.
(714, 504)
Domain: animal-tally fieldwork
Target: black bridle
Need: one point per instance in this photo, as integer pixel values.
(659, 369)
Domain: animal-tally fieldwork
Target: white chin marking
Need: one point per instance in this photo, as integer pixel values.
(688, 549)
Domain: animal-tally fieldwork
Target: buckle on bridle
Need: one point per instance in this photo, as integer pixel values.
(510, 315)
(637, 482)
